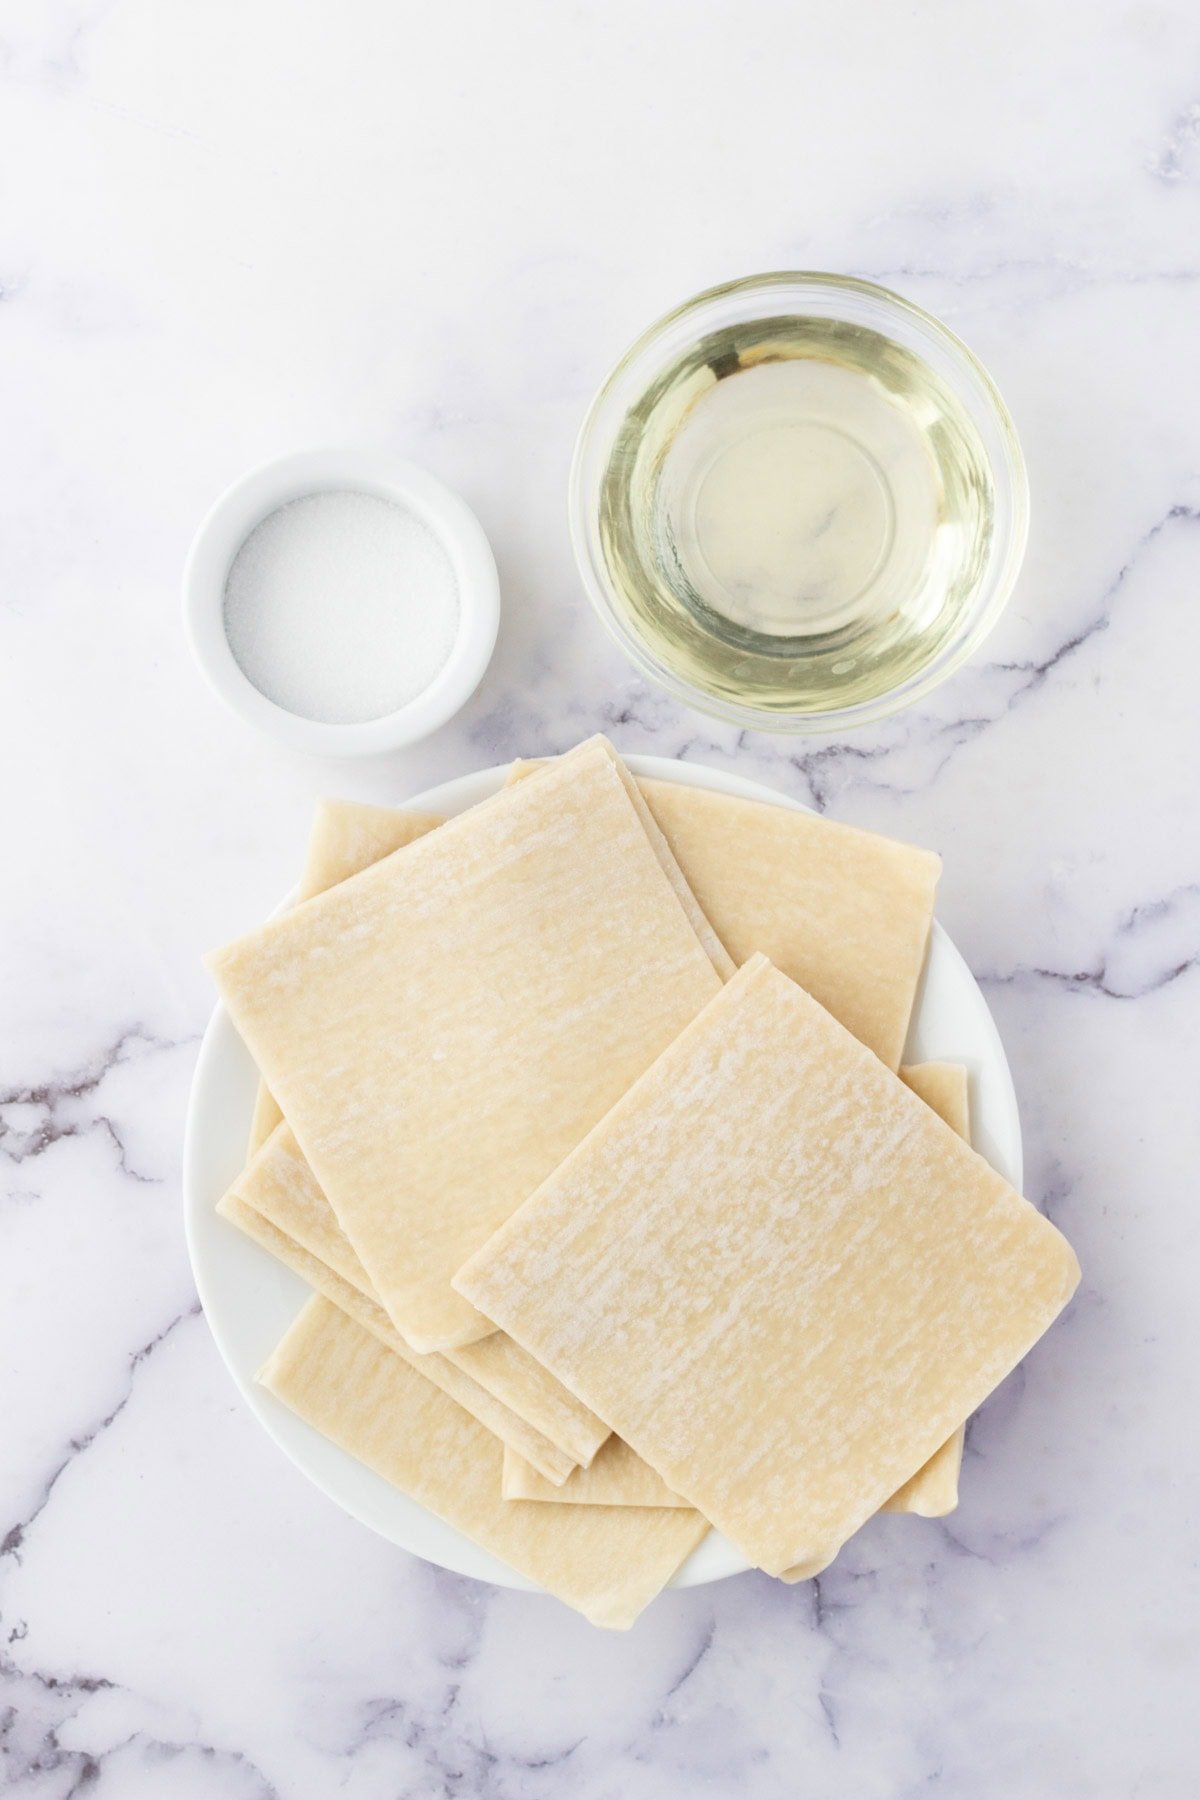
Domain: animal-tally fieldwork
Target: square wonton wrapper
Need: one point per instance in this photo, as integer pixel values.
(442, 1028)
(776, 1274)
(617, 1476)
(846, 913)
(281, 1190)
(606, 1561)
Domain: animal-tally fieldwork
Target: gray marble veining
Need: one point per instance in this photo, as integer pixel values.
(235, 233)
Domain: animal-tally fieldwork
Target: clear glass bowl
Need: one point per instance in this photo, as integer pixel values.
(701, 506)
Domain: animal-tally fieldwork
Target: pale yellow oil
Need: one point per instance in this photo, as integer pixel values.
(795, 515)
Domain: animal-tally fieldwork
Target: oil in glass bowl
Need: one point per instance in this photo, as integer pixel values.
(795, 516)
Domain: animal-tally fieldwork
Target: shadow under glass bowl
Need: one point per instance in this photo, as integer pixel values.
(798, 502)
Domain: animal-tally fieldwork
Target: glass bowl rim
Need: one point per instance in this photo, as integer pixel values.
(1008, 467)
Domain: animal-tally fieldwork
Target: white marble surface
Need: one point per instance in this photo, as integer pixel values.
(229, 230)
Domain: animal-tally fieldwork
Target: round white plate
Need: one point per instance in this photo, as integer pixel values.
(249, 1299)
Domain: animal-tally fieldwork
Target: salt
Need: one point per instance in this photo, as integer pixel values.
(341, 607)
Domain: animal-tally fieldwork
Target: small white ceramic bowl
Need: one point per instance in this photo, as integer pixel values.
(376, 472)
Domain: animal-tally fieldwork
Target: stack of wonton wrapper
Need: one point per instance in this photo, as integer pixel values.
(583, 1116)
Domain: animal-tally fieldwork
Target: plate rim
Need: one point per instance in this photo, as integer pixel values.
(315, 1456)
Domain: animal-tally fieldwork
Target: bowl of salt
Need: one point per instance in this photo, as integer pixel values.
(343, 601)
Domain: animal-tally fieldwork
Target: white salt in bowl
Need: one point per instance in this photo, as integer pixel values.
(470, 637)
